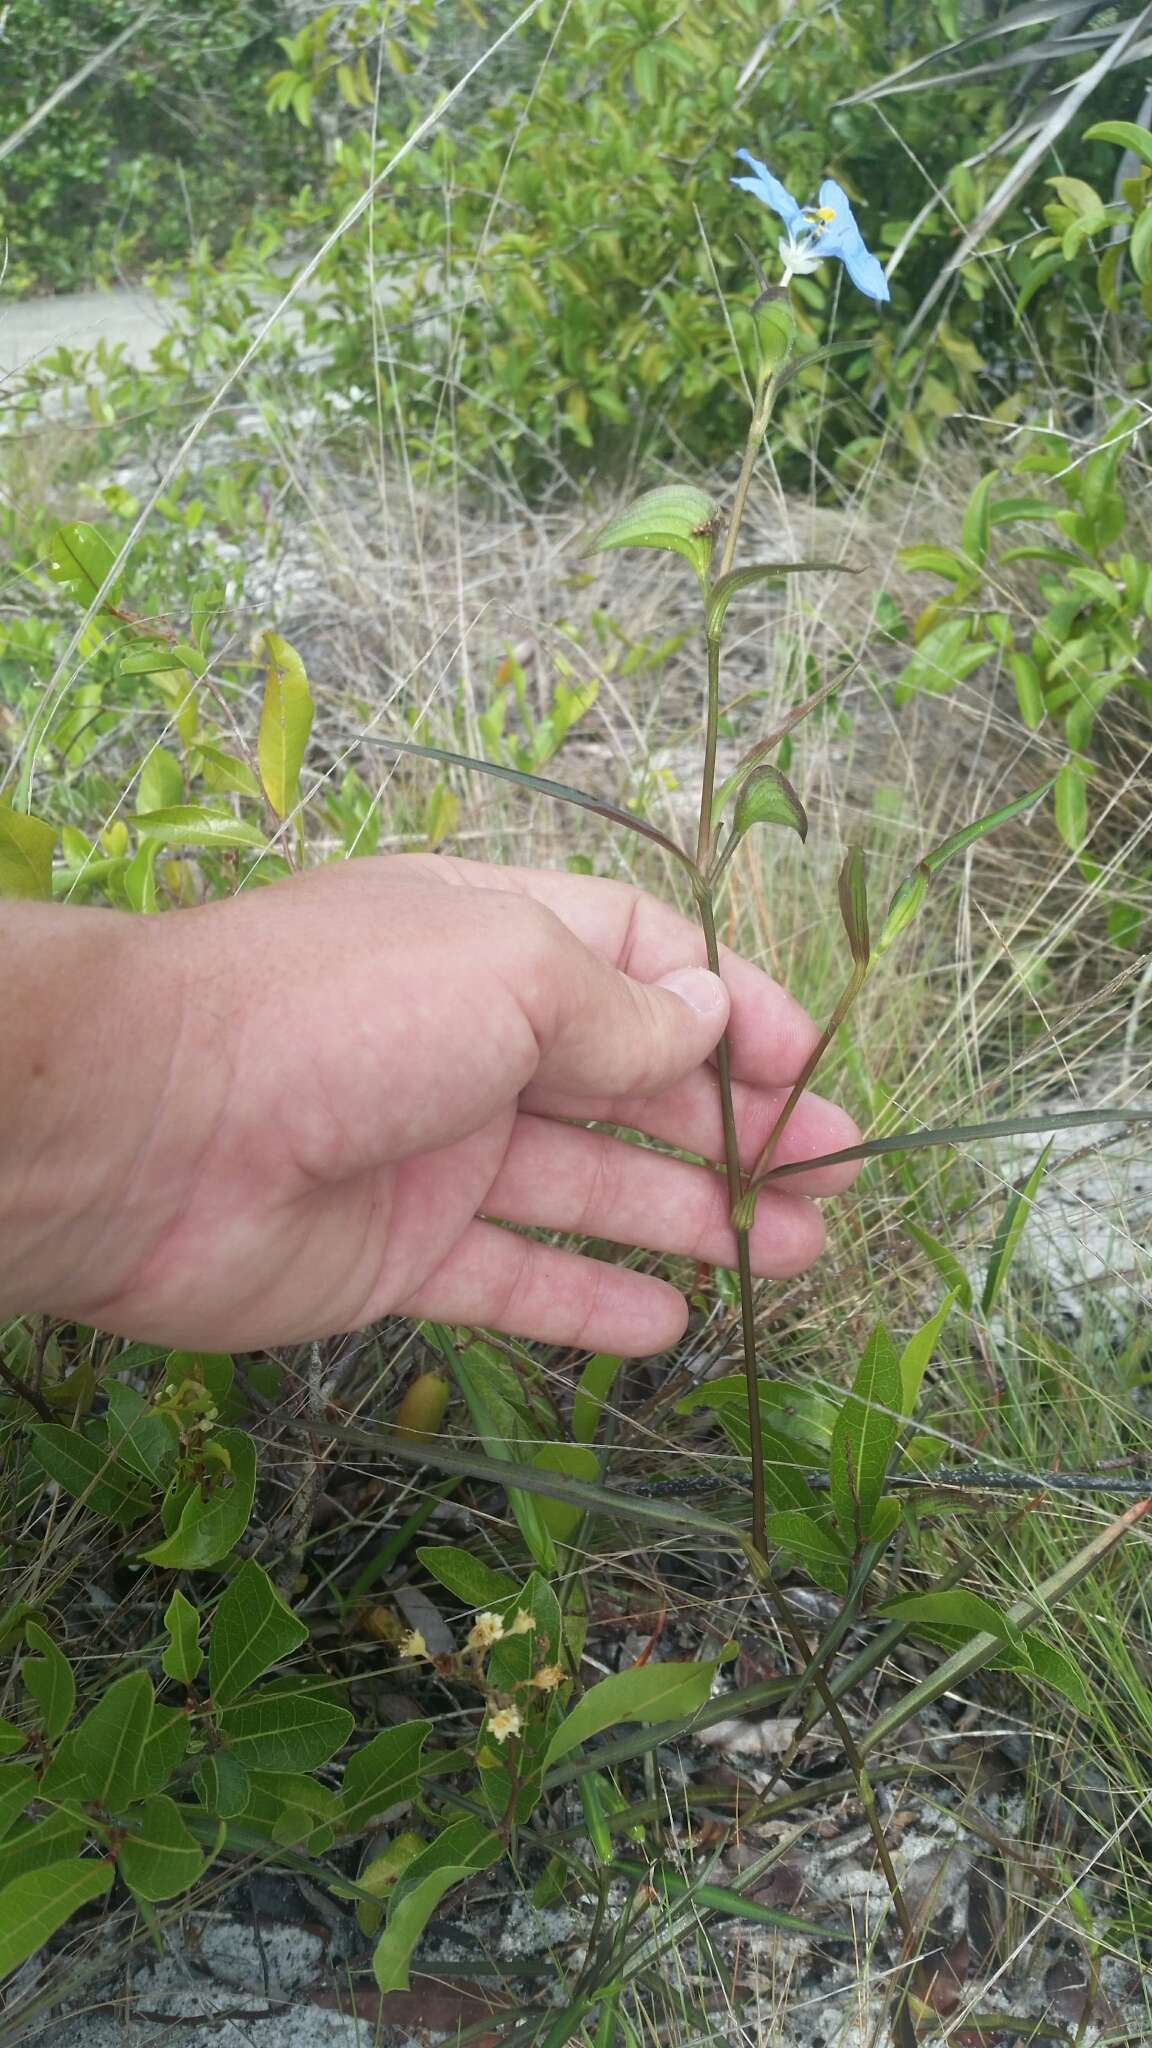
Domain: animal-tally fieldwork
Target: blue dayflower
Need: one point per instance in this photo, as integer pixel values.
(813, 233)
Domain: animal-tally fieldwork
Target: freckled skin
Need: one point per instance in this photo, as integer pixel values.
(288, 1114)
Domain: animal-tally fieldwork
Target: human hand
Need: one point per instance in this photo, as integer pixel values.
(316, 1103)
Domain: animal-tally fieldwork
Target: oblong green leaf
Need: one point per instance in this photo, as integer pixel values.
(109, 1743)
(384, 1772)
(50, 1680)
(647, 1693)
(197, 825)
(34, 1906)
(852, 889)
(278, 1731)
(674, 516)
(102, 1481)
(285, 724)
(26, 848)
(954, 1608)
(864, 1436)
(183, 1656)
(1127, 135)
(464, 1847)
(468, 1577)
(767, 797)
(252, 1630)
(79, 556)
(158, 1857)
(212, 1520)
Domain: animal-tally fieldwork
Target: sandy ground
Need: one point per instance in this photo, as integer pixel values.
(34, 327)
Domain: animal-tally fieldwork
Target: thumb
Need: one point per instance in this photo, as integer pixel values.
(612, 1035)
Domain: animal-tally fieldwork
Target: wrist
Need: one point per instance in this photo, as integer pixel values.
(86, 1036)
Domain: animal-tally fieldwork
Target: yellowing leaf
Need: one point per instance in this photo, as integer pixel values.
(285, 723)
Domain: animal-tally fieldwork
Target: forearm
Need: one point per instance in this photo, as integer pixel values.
(87, 1025)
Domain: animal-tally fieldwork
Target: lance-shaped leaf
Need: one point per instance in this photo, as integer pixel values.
(727, 587)
(852, 888)
(285, 723)
(541, 785)
(862, 1441)
(463, 1848)
(768, 798)
(909, 897)
(961, 1134)
(678, 517)
(198, 825)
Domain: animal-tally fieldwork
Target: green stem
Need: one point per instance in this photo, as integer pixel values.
(735, 1182)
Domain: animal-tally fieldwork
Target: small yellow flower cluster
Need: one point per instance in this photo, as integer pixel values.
(505, 1717)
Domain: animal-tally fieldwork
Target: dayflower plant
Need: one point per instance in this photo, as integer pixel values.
(813, 233)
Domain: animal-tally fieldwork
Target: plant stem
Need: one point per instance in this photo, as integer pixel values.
(757, 428)
(743, 1263)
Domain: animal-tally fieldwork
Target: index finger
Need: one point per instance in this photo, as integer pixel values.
(770, 1034)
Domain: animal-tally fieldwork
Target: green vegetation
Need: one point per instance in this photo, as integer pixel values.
(451, 552)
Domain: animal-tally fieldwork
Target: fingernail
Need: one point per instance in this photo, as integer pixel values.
(696, 986)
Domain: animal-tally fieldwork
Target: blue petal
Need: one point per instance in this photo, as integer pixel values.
(866, 272)
(768, 189)
(841, 237)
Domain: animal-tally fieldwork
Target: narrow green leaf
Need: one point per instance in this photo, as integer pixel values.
(158, 1857)
(481, 1377)
(1071, 804)
(918, 1351)
(716, 1898)
(34, 1906)
(980, 827)
(12, 1738)
(674, 516)
(197, 825)
(26, 848)
(977, 521)
(382, 1774)
(93, 1474)
(946, 1263)
(852, 887)
(1029, 691)
(464, 1847)
(50, 1680)
(909, 897)
(285, 724)
(962, 1134)
(540, 785)
(183, 1656)
(592, 1390)
(650, 1692)
(768, 798)
(212, 1519)
(276, 1731)
(110, 1740)
(863, 1438)
(253, 1629)
(986, 1646)
(1016, 1212)
(79, 556)
(727, 587)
